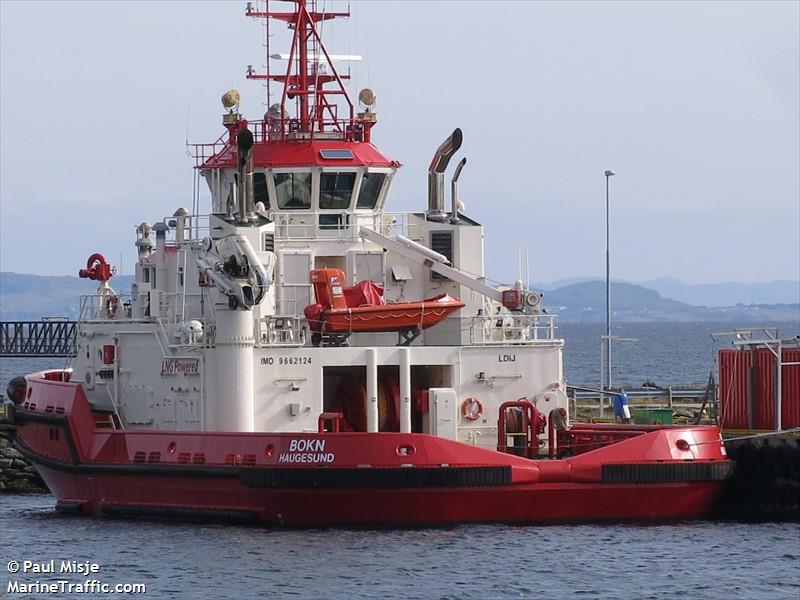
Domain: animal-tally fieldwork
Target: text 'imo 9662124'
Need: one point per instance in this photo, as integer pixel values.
(300, 355)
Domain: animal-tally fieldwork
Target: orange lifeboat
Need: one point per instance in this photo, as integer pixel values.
(362, 308)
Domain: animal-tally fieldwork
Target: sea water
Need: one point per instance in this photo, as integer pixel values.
(203, 560)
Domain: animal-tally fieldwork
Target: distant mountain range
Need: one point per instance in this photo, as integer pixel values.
(31, 297)
(706, 294)
(586, 302)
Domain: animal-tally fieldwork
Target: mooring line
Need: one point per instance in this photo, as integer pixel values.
(753, 436)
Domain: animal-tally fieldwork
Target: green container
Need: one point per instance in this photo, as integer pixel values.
(648, 416)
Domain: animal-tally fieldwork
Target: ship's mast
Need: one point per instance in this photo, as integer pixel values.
(309, 69)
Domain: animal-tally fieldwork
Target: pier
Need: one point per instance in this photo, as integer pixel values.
(49, 337)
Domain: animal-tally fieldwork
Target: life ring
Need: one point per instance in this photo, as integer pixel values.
(112, 304)
(472, 409)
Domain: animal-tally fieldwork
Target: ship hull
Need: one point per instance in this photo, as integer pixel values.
(201, 497)
(376, 479)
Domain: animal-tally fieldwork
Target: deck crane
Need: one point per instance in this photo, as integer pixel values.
(515, 299)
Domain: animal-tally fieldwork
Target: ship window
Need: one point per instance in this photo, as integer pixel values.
(293, 190)
(336, 154)
(260, 192)
(335, 190)
(371, 185)
(333, 221)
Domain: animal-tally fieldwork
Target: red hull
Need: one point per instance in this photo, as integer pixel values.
(555, 502)
(321, 479)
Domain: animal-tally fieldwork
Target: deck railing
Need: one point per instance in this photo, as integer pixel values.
(298, 225)
(512, 329)
(287, 129)
(97, 307)
(277, 330)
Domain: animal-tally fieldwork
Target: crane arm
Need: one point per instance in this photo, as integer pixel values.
(419, 254)
(437, 263)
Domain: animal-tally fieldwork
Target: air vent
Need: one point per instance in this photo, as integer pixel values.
(269, 242)
(442, 242)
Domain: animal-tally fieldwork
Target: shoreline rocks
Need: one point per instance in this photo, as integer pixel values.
(17, 474)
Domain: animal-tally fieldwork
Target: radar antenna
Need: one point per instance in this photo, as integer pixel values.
(309, 69)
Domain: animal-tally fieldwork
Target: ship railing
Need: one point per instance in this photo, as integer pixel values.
(308, 225)
(289, 129)
(195, 229)
(104, 307)
(278, 330)
(343, 226)
(400, 223)
(173, 309)
(176, 308)
(504, 329)
(328, 128)
(203, 152)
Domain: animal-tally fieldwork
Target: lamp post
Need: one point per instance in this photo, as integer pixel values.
(608, 175)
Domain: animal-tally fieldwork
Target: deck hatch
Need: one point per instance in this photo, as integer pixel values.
(340, 154)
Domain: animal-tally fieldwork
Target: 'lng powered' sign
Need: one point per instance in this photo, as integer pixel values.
(180, 366)
(306, 451)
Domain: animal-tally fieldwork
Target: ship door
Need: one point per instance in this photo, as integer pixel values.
(443, 414)
(295, 291)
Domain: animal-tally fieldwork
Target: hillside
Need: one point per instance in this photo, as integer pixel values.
(31, 297)
(728, 293)
(706, 294)
(586, 302)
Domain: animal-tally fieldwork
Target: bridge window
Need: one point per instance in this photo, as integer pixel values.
(371, 185)
(293, 190)
(335, 190)
(260, 191)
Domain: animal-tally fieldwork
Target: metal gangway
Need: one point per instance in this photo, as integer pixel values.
(47, 337)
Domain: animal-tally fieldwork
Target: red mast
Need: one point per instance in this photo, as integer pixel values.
(310, 68)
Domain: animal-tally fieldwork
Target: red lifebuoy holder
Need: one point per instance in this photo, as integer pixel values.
(472, 409)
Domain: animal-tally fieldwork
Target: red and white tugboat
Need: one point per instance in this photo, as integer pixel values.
(302, 356)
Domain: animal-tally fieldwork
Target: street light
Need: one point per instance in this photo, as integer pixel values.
(608, 175)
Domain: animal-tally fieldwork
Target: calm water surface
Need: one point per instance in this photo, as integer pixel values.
(191, 560)
(180, 560)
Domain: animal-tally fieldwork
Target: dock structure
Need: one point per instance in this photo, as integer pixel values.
(47, 337)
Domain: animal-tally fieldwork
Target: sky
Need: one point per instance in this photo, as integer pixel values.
(694, 105)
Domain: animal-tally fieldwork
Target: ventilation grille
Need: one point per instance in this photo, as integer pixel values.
(442, 242)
